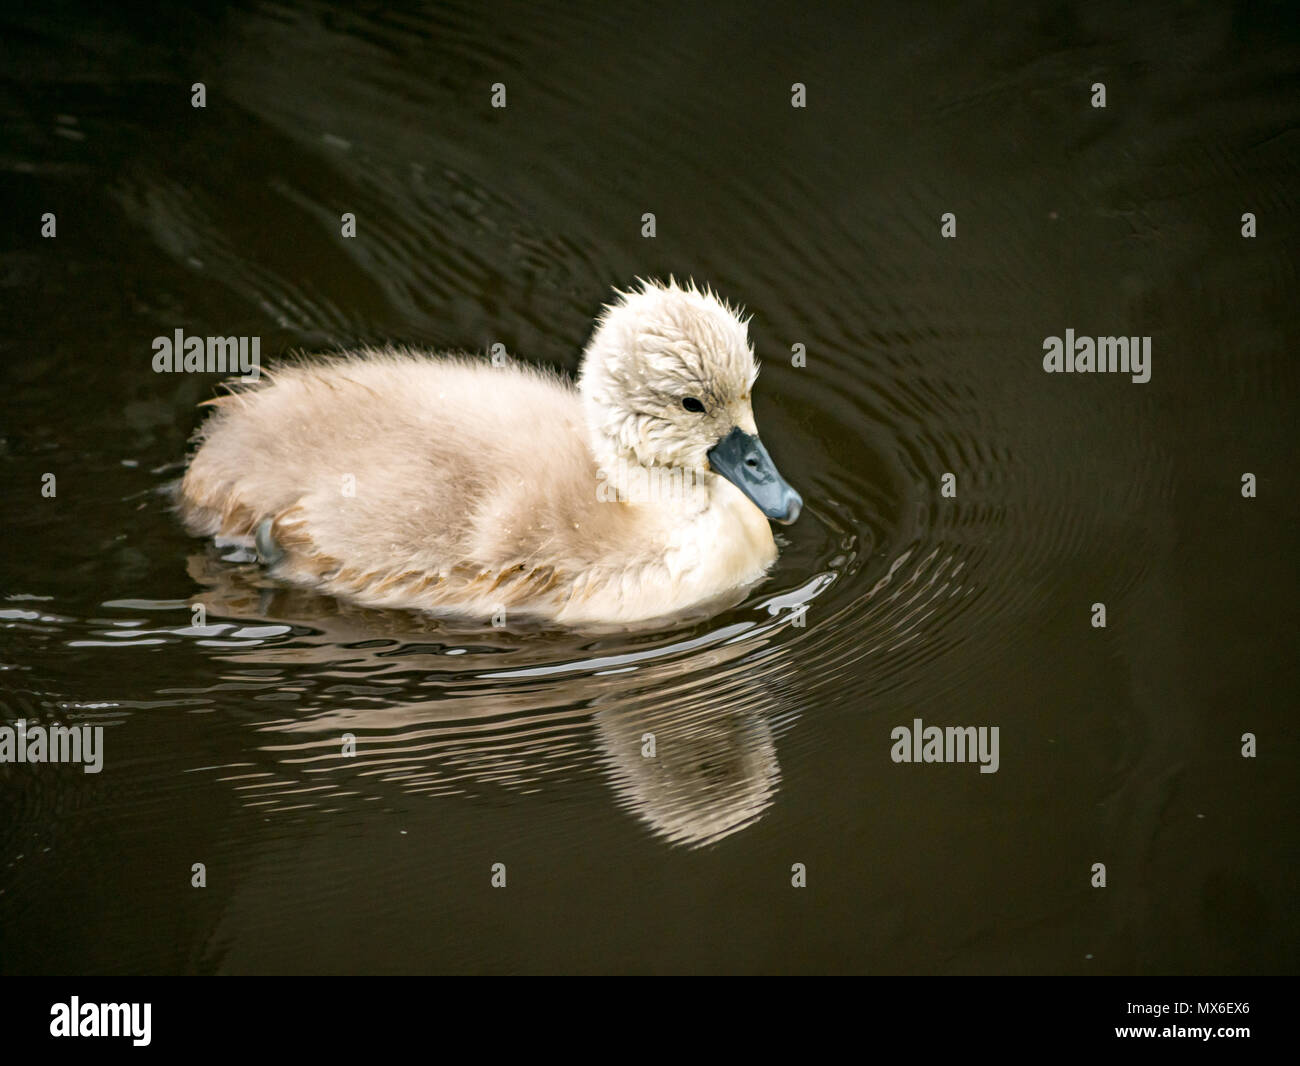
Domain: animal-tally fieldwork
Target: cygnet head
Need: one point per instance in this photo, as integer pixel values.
(666, 382)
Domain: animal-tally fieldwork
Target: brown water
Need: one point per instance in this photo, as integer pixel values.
(1119, 745)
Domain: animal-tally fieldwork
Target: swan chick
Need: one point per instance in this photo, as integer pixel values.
(446, 483)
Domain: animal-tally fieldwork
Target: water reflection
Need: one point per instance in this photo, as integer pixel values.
(681, 729)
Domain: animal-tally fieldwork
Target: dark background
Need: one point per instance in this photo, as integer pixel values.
(476, 225)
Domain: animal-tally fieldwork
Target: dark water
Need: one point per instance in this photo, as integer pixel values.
(1119, 745)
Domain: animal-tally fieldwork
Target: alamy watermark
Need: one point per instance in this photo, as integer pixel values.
(624, 482)
(179, 354)
(20, 743)
(932, 743)
(1099, 355)
(102, 1019)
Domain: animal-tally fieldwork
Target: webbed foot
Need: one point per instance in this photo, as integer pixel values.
(268, 552)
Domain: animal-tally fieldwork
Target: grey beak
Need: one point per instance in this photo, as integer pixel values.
(741, 458)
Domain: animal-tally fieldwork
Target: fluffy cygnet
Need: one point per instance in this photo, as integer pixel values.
(446, 483)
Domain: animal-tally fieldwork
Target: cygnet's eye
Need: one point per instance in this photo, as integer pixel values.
(692, 404)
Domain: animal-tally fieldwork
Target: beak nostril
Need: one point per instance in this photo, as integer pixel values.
(740, 458)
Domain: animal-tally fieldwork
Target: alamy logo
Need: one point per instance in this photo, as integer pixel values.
(624, 482)
(1101, 355)
(102, 1019)
(930, 743)
(208, 355)
(58, 743)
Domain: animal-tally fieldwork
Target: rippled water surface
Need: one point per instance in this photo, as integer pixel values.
(890, 602)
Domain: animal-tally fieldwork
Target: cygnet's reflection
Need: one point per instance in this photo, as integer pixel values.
(682, 734)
